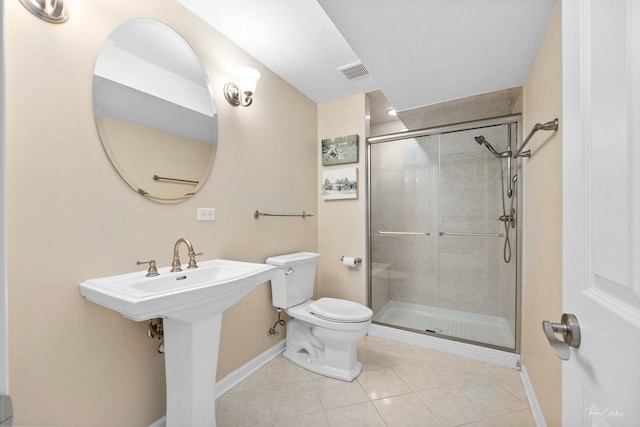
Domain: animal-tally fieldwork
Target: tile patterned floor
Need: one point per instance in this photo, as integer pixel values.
(400, 386)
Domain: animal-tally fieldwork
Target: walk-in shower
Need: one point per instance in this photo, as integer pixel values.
(443, 232)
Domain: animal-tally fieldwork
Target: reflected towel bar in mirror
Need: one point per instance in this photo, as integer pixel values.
(181, 181)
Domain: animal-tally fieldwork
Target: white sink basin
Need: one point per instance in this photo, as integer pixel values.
(186, 295)
(191, 303)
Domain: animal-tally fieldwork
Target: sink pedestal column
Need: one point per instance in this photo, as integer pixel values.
(191, 361)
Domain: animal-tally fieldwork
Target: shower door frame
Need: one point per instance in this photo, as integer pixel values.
(517, 169)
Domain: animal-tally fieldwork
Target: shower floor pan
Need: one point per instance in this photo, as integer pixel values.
(459, 324)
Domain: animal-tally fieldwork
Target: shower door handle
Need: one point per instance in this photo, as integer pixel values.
(569, 328)
(404, 233)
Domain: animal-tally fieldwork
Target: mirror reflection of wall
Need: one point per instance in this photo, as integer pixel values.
(154, 110)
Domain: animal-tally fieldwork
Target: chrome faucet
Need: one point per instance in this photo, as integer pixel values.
(175, 264)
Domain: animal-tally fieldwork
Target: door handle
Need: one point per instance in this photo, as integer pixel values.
(569, 328)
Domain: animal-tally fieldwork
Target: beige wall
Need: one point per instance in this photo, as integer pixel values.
(341, 226)
(71, 217)
(542, 229)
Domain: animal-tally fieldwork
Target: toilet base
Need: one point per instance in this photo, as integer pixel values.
(329, 352)
(302, 359)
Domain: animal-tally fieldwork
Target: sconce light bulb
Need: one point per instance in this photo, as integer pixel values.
(242, 92)
(247, 79)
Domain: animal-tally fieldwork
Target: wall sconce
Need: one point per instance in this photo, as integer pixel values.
(54, 11)
(242, 92)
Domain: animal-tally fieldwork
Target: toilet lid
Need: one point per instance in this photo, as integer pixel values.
(340, 310)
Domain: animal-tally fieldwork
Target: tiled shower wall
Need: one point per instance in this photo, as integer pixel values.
(441, 183)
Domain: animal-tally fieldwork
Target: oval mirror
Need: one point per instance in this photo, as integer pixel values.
(155, 111)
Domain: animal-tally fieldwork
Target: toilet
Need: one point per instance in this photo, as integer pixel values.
(323, 335)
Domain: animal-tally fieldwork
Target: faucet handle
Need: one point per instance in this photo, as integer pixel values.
(153, 270)
(192, 259)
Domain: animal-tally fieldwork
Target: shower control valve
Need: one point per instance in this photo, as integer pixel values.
(509, 219)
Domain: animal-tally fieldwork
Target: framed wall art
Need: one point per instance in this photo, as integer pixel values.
(340, 150)
(340, 184)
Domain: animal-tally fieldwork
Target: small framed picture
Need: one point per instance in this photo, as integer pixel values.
(340, 184)
(340, 150)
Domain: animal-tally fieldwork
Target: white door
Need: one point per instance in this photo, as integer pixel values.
(601, 210)
(4, 326)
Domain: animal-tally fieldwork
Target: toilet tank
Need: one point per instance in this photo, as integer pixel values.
(294, 278)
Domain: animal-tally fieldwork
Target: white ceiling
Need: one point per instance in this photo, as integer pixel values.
(418, 52)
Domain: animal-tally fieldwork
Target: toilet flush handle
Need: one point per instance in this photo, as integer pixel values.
(289, 271)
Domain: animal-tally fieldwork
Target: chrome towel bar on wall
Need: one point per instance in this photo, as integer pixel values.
(257, 214)
(551, 125)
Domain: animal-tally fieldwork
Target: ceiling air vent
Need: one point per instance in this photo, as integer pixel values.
(354, 71)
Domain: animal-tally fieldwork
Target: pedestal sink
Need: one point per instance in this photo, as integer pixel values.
(191, 303)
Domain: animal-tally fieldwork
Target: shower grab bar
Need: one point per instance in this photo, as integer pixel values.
(442, 233)
(405, 233)
(551, 125)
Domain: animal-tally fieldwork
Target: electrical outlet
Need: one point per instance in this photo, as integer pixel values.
(206, 214)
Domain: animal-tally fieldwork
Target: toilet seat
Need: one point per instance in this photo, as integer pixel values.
(340, 310)
(301, 312)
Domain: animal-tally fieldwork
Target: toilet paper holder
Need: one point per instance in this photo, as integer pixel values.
(358, 260)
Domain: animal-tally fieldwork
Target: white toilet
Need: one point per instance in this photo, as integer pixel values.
(323, 335)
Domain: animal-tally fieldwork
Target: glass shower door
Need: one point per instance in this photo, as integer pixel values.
(403, 209)
(477, 287)
(438, 208)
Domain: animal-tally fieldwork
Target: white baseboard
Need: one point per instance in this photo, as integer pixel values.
(534, 406)
(236, 377)
(162, 422)
(470, 351)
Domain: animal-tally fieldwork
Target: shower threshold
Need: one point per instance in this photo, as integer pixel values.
(479, 328)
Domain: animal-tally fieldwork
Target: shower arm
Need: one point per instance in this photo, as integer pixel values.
(552, 125)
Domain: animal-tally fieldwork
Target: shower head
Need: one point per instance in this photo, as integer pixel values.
(480, 140)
